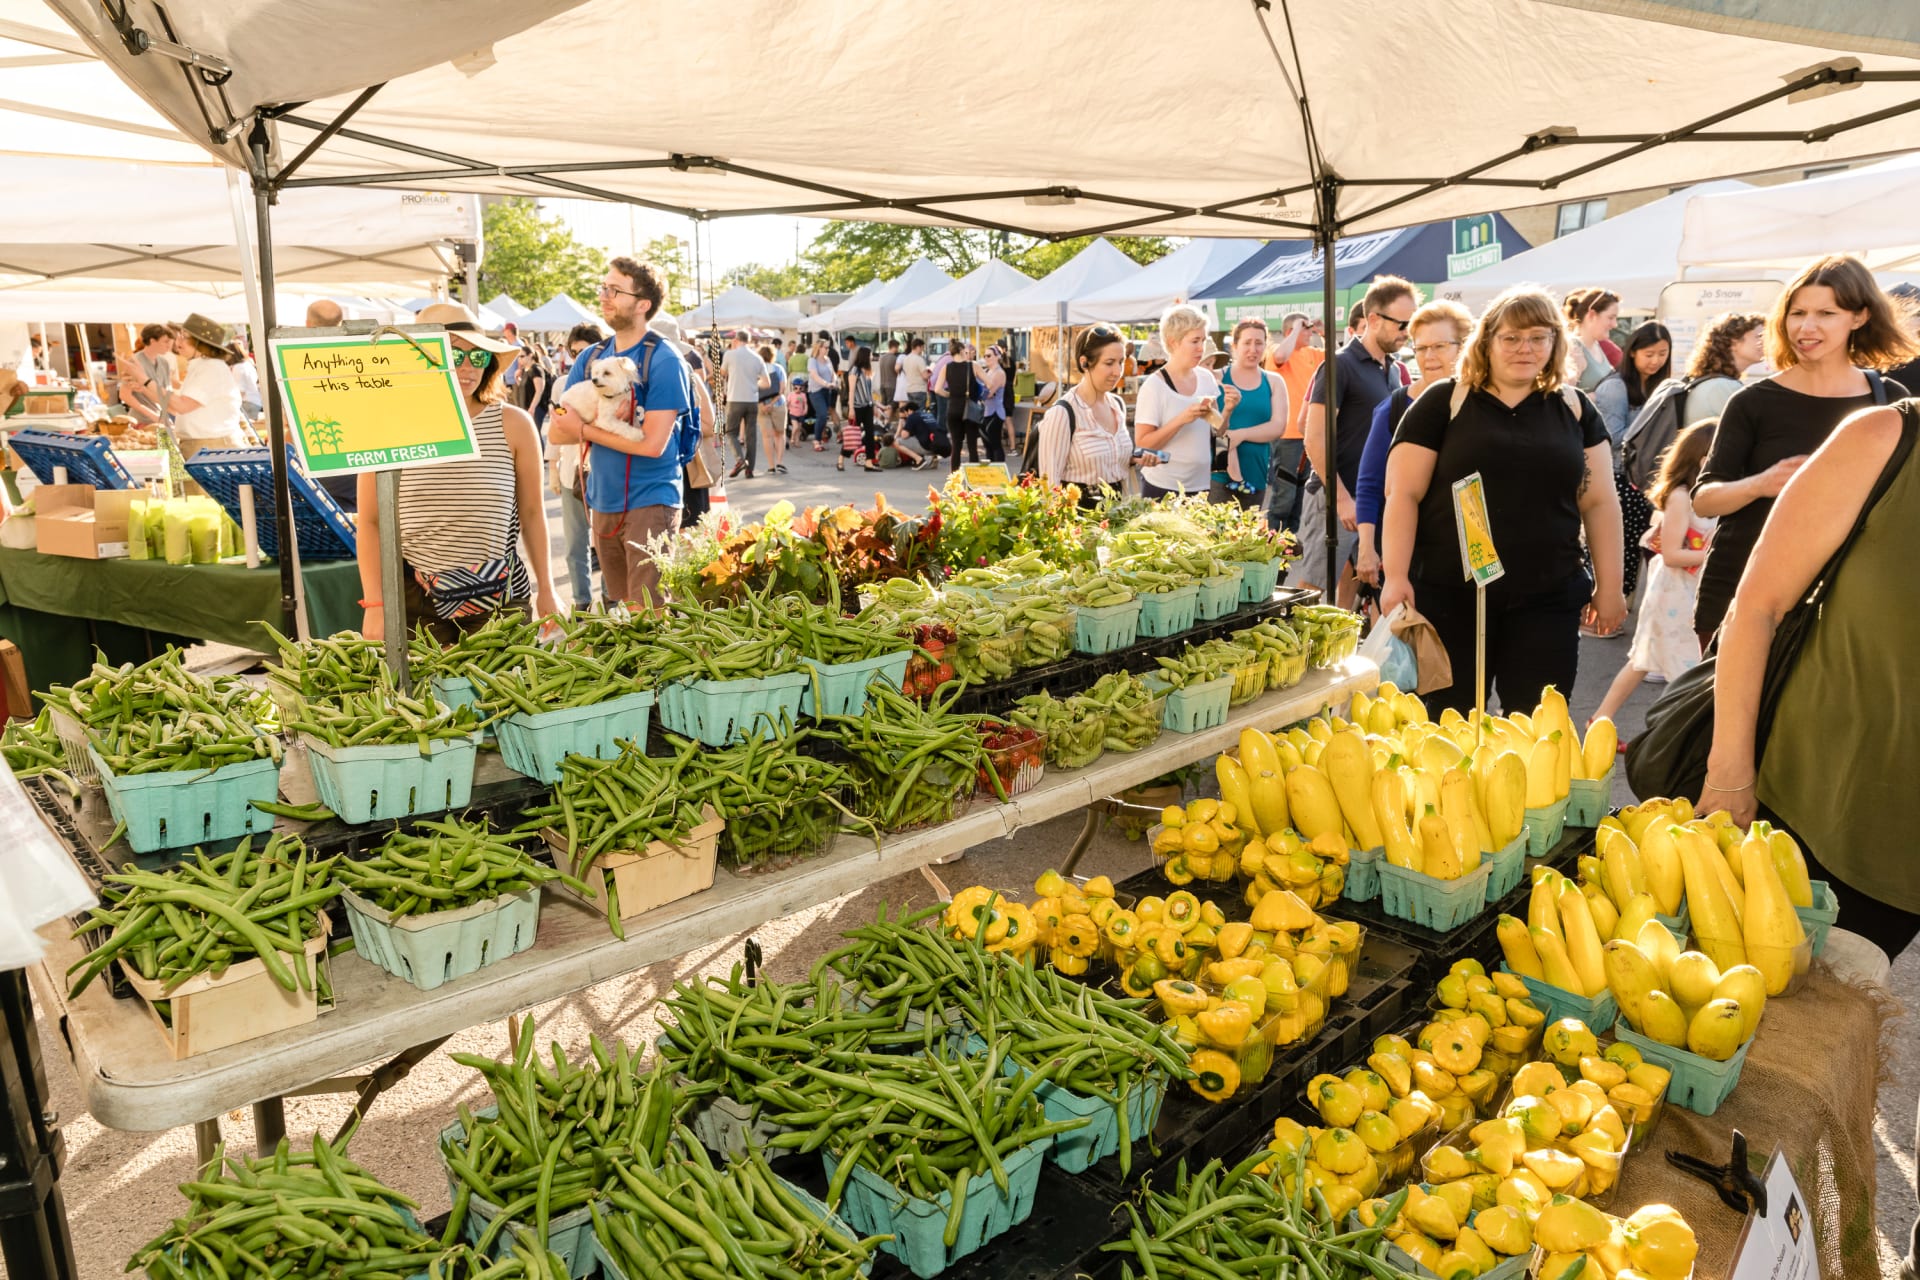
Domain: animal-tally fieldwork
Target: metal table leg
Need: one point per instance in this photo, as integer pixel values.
(34, 1239)
(269, 1125)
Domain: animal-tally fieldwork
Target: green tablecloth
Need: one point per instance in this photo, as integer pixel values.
(58, 608)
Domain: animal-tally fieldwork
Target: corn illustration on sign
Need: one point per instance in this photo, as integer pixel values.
(370, 402)
(1477, 555)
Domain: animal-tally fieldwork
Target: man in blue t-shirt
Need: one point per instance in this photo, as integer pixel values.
(634, 490)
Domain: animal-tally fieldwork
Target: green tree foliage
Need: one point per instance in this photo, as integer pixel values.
(768, 282)
(846, 255)
(531, 257)
(672, 259)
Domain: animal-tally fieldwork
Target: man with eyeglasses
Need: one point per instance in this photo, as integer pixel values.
(634, 487)
(1365, 375)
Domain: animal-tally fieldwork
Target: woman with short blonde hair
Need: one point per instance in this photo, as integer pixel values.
(1176, 406)
(1541, 451)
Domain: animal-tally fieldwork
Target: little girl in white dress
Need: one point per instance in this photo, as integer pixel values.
(1664, 642)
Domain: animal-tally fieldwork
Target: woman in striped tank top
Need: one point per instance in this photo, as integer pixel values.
(461, 523)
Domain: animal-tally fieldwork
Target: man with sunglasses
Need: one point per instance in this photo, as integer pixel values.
(634, 487)
(1364, 375)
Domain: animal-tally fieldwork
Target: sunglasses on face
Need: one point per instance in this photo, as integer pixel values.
(1400, 325)
(476, 358)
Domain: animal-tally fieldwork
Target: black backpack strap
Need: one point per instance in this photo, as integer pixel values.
(1877, 385)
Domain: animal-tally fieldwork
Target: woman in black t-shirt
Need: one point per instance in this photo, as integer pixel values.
(1542, 450)
(1830, 325)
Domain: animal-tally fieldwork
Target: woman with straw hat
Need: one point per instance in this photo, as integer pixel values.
(462, 524)
(206, 406)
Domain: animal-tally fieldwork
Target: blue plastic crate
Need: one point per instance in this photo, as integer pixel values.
(534, 745)
(840, 688)
(1545, 826)
(1257, 580)
(1818, 919)
(720, 712)
(1219, 595)
(1196, 706)
(1509, 867)
(1437, 904)
(1590, 799)
(1106, 628)
(1168, 613)
(433, 949)
(366, 784)
(1699, 1084)
(88, 459)
(324, 531)
(1598, 1012)
(1363, 875)
(873, 1206)
(570, 1235)
(179, 808)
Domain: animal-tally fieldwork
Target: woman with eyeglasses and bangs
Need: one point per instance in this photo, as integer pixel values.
(463, 524)
(1541, 448)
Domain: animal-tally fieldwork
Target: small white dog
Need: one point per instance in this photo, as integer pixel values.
(605, 398)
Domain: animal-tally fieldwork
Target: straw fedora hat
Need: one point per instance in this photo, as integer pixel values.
(455, 318)
(211, 332)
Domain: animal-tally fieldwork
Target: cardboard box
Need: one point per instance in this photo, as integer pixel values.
(76, 520)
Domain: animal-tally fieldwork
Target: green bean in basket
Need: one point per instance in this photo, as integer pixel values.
(311, 1212)
(1285, 649)
(926, 1123)
(900, 967)
(161, 717)
(614, 805)
(1133, 710)
(825, 634)
(685, 1217)
(32, 749)
(916, 763)
(1089, 587)
(1046, 627)
(341, 663)
(547, 680)
(204, 914)
(745, 641)
(386, 717)
(486, 646)
(726, 1035)
(444, 866)
(1076, 727)
(776, 799)
(556, 1133)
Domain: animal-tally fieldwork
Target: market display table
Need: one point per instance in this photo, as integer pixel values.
(58, 608)
(130, 1082)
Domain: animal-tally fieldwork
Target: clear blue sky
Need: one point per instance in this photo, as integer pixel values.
(723, 243)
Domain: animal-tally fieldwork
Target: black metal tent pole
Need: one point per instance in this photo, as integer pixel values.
(276, 413)
(1327, 232)
(34, 1237)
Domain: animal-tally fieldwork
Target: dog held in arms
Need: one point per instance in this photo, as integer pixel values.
(605, 399)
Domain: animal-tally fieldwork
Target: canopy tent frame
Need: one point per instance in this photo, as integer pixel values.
(206, 76)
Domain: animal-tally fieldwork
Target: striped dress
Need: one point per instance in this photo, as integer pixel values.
(457, 515)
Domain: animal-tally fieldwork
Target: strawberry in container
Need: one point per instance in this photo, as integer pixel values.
(1013, 751)
(930, 667)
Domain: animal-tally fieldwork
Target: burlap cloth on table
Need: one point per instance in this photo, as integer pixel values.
(1807, 1088)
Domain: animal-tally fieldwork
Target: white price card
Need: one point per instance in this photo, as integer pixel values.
(1778, 1244)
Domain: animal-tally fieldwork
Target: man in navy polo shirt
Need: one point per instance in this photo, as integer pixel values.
(634, 489)
(1365, 375)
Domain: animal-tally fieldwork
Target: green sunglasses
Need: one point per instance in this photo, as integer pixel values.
(476, 358)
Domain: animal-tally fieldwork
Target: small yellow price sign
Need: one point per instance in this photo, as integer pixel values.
(1477, 554)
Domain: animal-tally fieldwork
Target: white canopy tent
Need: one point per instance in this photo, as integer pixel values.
(552, 316)
(1050, 300)
(958, 305)
(1636, 255)
(872, 310)
(740, 308)
(1158, 285)
(137, 302)
(62, 218)
(502, 305)
(1791, 84)
(1868, 212)
(824, 322)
